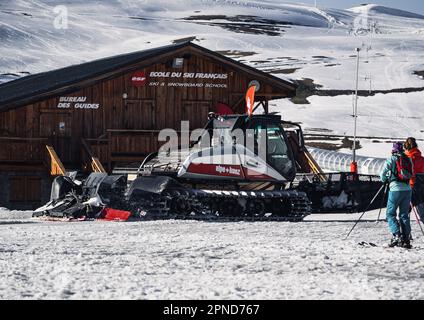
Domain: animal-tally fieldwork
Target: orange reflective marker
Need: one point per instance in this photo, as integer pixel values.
(250, 100)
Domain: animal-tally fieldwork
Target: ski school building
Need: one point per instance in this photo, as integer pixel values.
(102, 114)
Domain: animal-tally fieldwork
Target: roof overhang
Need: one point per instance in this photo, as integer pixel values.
(73, 78)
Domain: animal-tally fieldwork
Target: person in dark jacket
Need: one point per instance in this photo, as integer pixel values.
(400, 194)
(414, 153)
(417, 185)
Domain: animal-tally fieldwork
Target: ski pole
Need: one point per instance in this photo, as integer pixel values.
(372, 201)
(382, 202)
(417, 218)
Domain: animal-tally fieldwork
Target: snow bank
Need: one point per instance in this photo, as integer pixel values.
(6, 214)
(199, 260)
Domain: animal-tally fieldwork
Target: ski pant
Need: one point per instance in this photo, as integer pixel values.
(401, 200)
(418, 201)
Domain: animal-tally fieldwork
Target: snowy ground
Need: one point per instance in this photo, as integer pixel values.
(199, 260)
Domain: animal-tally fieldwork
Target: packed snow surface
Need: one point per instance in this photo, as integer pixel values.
(201, 260)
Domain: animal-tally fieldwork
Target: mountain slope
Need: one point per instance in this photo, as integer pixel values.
(31, 43)
(291, 41)
(377, 9)
(96, 29)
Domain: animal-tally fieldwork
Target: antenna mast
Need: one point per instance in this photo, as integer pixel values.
(354, 167)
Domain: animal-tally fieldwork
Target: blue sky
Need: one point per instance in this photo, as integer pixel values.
(416, 6)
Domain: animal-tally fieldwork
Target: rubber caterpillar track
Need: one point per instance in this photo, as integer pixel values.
(214, 205)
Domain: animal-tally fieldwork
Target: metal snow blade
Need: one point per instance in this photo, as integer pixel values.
(71, 199)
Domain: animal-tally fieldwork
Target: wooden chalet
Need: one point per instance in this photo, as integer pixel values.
(102, 114)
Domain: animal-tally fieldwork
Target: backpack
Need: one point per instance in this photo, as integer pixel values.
(403, 171)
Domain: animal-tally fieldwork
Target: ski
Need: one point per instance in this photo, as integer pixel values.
(366, 244)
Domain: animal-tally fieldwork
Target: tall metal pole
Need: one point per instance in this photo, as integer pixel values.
(356, 105)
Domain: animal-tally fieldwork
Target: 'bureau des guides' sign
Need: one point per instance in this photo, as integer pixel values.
(79, 102)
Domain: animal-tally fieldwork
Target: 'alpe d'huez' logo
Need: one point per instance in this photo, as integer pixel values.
(139, 79)
(227, 170)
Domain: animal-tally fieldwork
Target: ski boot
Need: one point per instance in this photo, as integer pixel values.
(406, 242)
(396, 240)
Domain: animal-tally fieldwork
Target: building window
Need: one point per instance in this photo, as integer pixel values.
(178, 63)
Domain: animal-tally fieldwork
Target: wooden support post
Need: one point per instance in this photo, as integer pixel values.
(97, 166)
(56, 166)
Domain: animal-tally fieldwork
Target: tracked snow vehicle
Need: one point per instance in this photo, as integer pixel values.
(239, 167)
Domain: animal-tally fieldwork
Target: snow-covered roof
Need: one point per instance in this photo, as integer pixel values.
(33, 88)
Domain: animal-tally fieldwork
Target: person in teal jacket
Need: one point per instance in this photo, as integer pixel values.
(400, 194)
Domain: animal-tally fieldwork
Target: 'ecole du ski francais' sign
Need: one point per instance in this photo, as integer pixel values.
(76, 103)
(179, 79)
